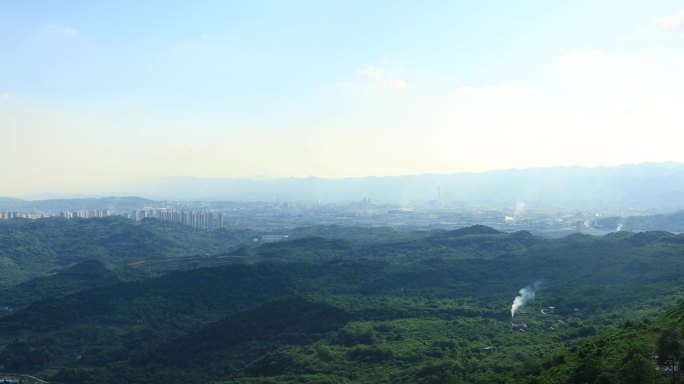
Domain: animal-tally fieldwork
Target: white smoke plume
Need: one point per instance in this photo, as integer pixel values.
(526, 294)
(519, 209)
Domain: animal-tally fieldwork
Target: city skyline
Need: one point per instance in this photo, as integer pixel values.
(333, 89)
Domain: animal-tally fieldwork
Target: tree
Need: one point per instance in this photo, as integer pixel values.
(669, 351)
(640, 370)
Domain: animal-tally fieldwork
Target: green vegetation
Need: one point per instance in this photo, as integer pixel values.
(649, 351)
(673, 222)
(32, 248)
(336, 305)
(87, 274)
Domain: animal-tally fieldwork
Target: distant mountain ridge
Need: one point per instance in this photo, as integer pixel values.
(112, 203)
(651, 186)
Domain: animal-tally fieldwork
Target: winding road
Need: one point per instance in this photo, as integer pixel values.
(22, 376)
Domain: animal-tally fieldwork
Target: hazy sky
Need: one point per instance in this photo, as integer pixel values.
(97, 93)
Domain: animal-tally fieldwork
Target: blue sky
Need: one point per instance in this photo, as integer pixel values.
(94, 94)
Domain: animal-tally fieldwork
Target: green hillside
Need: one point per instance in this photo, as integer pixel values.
(638, 352)
(428, 307)
(672, 222)
(32, 248)
(84, 275)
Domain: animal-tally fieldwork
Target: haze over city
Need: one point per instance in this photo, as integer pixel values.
(341, 191)
(94, 96)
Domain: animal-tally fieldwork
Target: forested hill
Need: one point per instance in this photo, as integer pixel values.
(672, 222)
(34, 248)
(84, 275)
(647, 351)
(30, 248)
(428, 307)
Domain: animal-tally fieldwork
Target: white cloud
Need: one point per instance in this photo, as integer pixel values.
(664, 26)
(4, 95)
(372, 78)
(372, 73)
(669, 23)
(54, 29)
(603, 82)
(585, 107)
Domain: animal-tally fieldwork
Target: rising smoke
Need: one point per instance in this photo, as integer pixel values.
(519, 209)
(526, 294)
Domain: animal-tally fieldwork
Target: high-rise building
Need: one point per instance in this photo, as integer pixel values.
(13, 215)
(197, 219)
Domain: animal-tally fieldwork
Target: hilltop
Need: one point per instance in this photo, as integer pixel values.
(32, 248)
(425, 308)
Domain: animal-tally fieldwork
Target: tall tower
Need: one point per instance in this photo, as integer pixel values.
(439, 191)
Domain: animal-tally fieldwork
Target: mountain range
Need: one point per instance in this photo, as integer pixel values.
(650, 187)
(657, 187)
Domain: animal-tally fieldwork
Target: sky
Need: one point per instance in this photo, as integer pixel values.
(98, 94)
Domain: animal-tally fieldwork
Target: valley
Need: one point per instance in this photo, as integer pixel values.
(334, 304)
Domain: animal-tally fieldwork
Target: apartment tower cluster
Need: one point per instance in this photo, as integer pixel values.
(13, 215)
(84, 214)
(197, 219)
